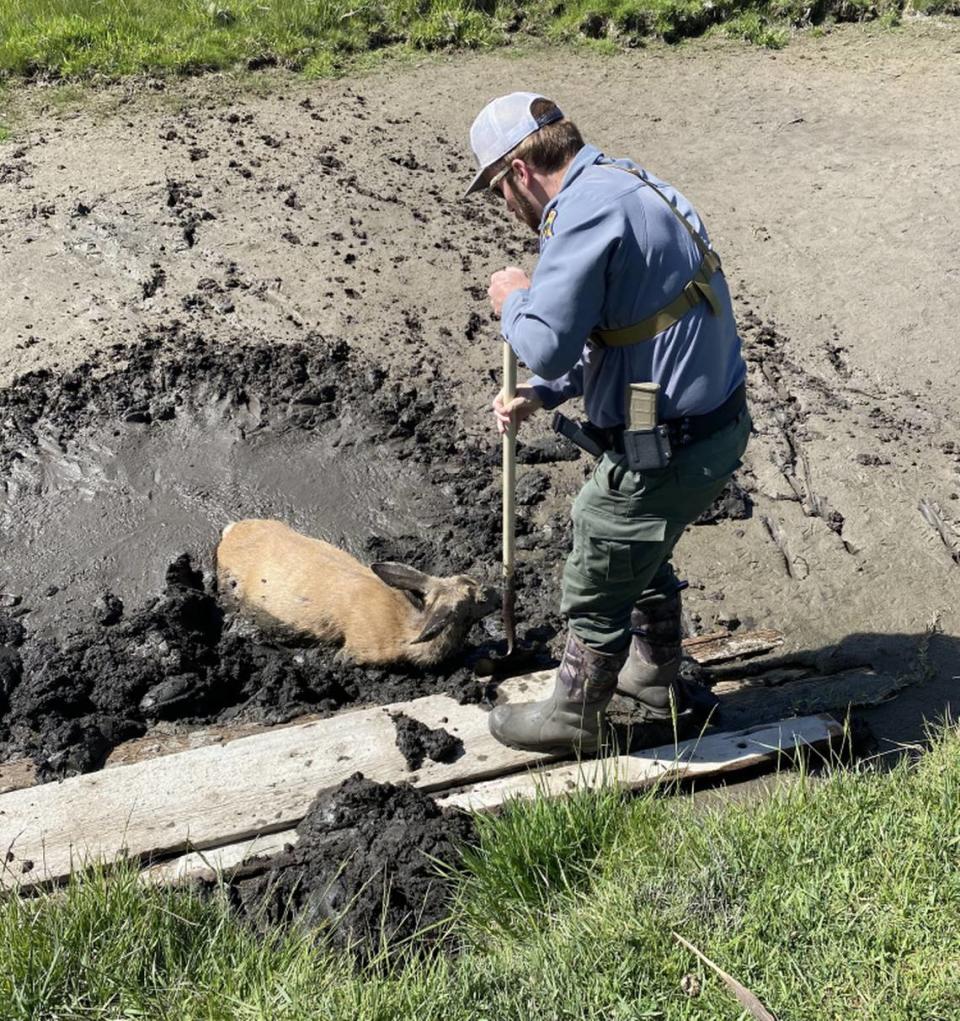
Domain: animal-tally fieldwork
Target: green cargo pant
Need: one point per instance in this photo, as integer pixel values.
(625, 525)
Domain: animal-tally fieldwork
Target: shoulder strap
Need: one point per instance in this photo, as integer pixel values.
(697, 290)
(711, 261)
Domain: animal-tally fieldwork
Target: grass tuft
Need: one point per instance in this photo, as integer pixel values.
(109, 946)
(753, 27)
(532, 853)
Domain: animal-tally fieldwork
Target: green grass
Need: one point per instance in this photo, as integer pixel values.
(68, 38)
(949, 7)
(532, 852)
(755, 28)
(834, 898)
(57, 39)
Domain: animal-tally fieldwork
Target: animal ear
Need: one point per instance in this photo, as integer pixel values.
(400, 576)
(434, 624)
(413, 599)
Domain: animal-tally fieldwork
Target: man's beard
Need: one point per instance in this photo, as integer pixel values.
(527, 211)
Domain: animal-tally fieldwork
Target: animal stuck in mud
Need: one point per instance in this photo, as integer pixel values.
(384, 613)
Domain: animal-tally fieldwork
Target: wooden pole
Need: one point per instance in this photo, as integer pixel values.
(509, 497)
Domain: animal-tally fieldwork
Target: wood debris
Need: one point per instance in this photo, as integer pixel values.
(933, 516)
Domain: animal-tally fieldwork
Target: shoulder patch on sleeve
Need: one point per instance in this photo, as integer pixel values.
(547, 229)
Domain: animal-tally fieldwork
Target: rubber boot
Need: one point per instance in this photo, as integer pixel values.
(651, 673)
(571, 719)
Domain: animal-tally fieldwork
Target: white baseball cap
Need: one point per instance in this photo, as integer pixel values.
(501, 126)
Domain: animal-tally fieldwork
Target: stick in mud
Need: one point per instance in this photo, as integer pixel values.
(934, 518)
(796, 567)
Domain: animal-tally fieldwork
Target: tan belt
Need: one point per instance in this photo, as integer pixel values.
(697, 290)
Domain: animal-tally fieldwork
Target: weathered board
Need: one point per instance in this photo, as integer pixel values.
(225, 793)
(170, 742)
(710, 755)
(217, 861)
(776, 696)
(236, 790)
(723, 646)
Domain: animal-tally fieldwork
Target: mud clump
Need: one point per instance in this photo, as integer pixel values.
(11, 665)
(417, 742)
(733, 504)
(72, 702)
(547, 450)
(364, 869)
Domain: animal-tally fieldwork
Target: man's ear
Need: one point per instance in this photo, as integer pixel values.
(521, 172)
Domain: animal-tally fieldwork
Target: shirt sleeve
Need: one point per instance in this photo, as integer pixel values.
(548, 323)
(554, 392)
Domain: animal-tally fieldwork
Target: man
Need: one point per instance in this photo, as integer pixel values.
(626, 291)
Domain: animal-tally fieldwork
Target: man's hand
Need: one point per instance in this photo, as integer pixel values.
(503, 283)
(519, 409)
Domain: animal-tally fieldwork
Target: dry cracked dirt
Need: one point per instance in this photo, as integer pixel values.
(222, 301)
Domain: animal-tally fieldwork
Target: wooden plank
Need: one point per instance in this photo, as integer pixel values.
(162, 741)
(217, 861)
(710, 755)
(771, 678)
(221, 794)
(16, 774)
(741, 702)
(721, 646)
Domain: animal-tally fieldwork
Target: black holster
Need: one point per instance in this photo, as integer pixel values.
(584, 436)
(647, 449)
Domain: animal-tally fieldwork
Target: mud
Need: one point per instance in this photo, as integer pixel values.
(110, 472)
(733, 504)
(365, 871)
(146, 463)
(417, 742)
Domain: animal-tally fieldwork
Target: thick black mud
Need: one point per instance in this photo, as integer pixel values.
(367, 869)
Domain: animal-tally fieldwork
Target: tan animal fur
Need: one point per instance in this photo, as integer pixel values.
(381, 614)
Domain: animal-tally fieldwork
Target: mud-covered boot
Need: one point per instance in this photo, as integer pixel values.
(571, 719)
(651, 673)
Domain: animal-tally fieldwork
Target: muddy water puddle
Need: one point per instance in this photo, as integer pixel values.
(110, 509)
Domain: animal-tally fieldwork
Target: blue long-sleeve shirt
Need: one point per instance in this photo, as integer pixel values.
(612, 254)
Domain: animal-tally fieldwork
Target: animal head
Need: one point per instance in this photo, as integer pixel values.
(448, 605)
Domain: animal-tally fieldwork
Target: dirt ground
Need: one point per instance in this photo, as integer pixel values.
(313, 212)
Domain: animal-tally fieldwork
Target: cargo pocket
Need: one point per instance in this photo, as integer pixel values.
(622, 487)
(618, 551)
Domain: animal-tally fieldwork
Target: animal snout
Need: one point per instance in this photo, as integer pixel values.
(488, 599)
